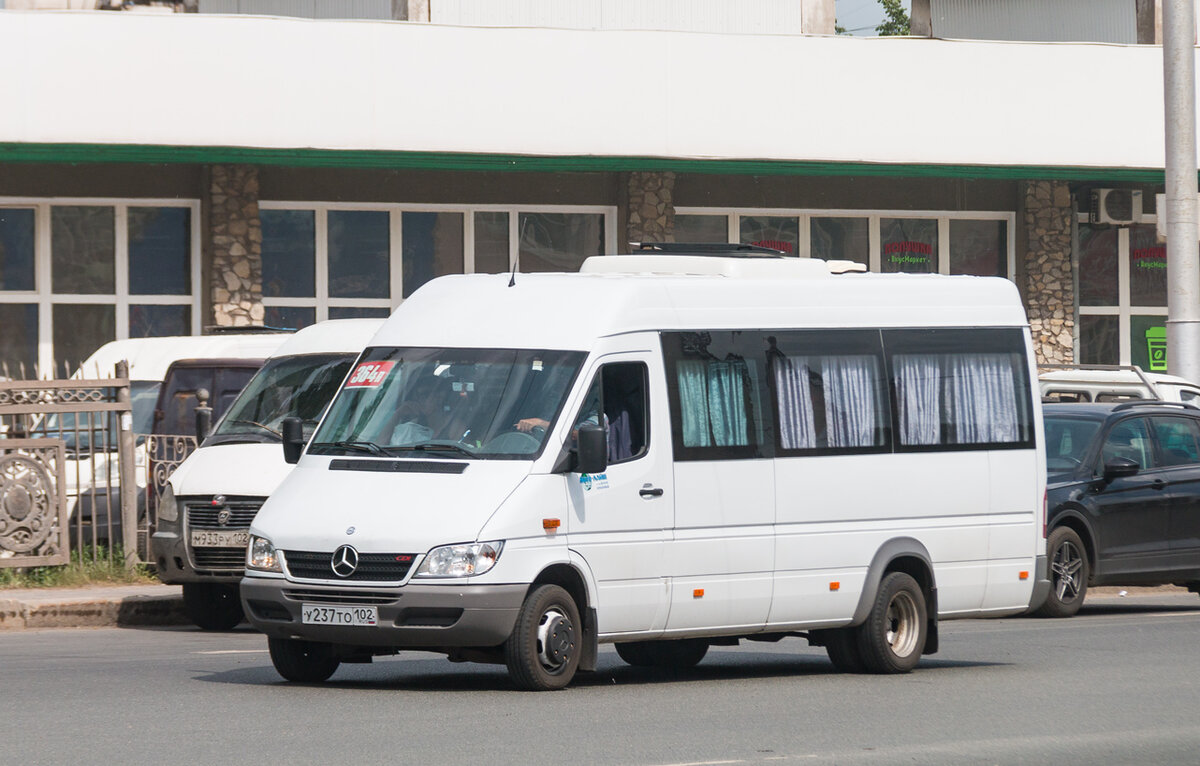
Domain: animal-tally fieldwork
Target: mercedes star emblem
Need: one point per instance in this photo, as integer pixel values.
(345, 561)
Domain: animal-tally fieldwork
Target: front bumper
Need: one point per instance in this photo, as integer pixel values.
(436, 617)
(174, 563)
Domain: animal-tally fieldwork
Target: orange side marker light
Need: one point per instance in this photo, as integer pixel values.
(835, 585)
(1023, 575)
(550, 524)
(698, 593)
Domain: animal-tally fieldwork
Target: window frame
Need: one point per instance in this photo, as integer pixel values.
(121, 299)
(647, 404)
(321, 302)
(874, 254)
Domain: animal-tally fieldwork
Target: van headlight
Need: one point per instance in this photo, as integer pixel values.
(168, 510)
(261, 555)
(460, 560)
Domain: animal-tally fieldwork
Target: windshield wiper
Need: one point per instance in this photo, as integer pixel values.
(266, 428)
(434, 447)
(371, 447)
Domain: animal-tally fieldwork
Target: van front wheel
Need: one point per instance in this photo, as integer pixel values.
(893, 637)
(302, 661)
(542, 653)
(212, 606)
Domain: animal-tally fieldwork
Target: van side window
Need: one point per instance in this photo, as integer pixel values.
(715, 394)
(960, 388)
(830, 391)
(619, 391)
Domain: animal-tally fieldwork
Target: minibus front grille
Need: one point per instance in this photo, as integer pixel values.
(372, 567)
(233, 559)
(205, 515)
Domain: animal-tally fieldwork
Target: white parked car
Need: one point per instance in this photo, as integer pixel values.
(1112, 383)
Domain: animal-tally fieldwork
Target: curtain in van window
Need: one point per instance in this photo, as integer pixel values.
(982, 398)
(797, 429)
(918, 389)
(712, 400)
(851, 406)
(973, 395)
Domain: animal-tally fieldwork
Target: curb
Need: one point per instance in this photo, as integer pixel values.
(102, 613)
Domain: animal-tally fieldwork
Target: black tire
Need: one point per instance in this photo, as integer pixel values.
(302, 661)
(678, 654)
(842, 647)
(542, 654)
(213, 606)
(893, 637)
(1069, 571)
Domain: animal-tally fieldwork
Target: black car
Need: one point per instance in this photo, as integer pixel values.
(1123, 498)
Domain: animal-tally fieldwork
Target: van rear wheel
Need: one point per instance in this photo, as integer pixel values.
(841, 645)
(893, 637)
(302, 661)
(1068, 574)
(543, 651)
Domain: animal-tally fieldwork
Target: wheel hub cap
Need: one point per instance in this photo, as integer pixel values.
(556, 639)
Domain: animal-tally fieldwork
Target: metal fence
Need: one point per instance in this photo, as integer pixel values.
(68, 472)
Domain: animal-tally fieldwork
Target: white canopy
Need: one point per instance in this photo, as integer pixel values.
(292, 86)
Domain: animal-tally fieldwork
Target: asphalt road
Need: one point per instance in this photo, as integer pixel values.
(1118, 684)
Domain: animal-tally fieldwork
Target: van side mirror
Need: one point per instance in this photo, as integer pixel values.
(292, 431)
(592, 449)
(1117, 467)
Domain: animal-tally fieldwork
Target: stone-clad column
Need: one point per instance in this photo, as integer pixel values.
(236, 236)
(651, 207)
(1049, 283)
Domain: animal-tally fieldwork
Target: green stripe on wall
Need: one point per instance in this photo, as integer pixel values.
(331, 158)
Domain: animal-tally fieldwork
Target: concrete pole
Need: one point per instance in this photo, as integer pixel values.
(1183, 258)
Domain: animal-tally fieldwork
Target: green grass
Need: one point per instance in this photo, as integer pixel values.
(91, 566)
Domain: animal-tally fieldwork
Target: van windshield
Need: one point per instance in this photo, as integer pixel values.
(292, 386)
(483, 403)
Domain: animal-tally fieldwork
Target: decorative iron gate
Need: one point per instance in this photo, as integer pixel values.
(67, 471)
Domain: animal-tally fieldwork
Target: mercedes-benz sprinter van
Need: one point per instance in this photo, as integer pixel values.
(662, 452)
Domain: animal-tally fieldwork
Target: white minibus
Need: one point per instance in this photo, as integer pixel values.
(663, 452)
(210, 499)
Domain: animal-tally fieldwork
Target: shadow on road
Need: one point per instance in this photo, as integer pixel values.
(439, 675)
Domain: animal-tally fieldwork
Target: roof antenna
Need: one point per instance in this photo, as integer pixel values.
(512, 279)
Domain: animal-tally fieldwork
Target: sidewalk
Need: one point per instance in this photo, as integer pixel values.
(94, 607)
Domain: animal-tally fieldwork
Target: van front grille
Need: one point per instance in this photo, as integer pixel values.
(372, 567)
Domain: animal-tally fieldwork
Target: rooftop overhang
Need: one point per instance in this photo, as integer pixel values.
(107, 87)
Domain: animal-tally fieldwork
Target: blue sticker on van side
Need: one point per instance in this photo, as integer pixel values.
(593, 481)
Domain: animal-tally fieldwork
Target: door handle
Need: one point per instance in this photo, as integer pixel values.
(649, 491)
(1158, 484)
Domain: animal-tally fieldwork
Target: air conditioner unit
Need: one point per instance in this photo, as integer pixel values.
(1116, 206)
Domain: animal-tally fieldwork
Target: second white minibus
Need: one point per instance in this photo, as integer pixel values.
(663, 452)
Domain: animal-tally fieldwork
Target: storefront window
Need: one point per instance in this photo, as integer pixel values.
(159, 249)
(559, 241)
(18, 342)
(1097, 266)
(841, 239)
(774, 232)
(82, 250)
(908, 245)
(288, 253)
(979, 248)
(289, 317)
(358, 312)
(1147, 267)
(701, 228)
(80, 329)
(359, 254)
(159, 321)
(16, 249)
(1099, 339)
(491, 242)
(433, 247)
(1148, 342)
